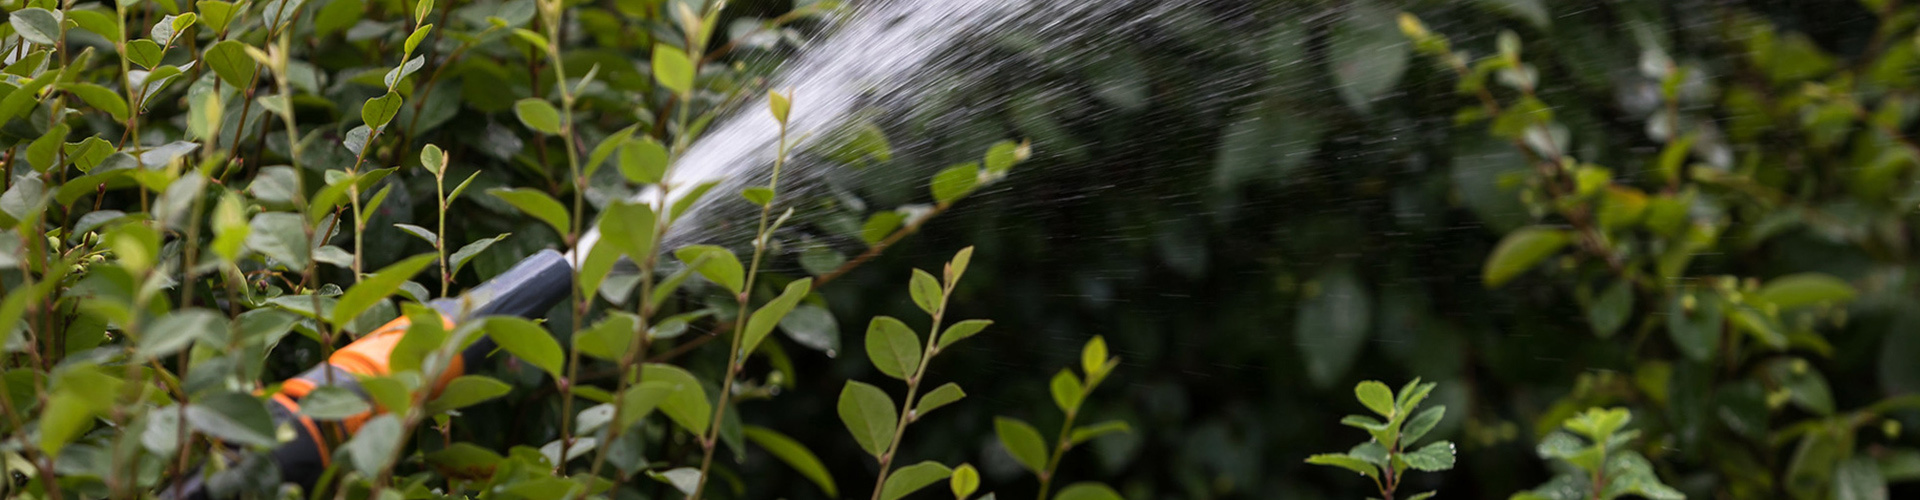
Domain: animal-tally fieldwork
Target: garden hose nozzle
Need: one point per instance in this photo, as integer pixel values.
(528, 289)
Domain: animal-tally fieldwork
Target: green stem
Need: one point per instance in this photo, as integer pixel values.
(907, 414)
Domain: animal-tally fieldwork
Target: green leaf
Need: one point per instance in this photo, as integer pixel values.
(37, 25)
(466, 253)
(1023, 442)
(337, 16)
(378, 287)
(1803, 289)
(433, 159)
(1859, 478)
(629, 226)
(869, 414)
(145, 53)
(1371, 452)
(463, 461)
(880, 226)
(610, 339)
(642, 399)
(779, 105)
(759, 196)
(379, 111)
(687, 405)
(795, 455)
(1520, 251)
(814, 327)
(419, 35)
(940, 396)
(420, 11)
(672, 68)
(955, 182)
(606, 148)
(467, 390)
(893, 347)
(217, 14)
(1611, 309)
(643, 160)
(1421, 423)
(537, 114)
(716, 264)
(1694, 321)
(685, 479)
(1002, 156)
(230, 61)
(280, 236)
(230, 227)
(66, 416)
(232, 416)
(537, 204)
(1067, 391)
(965, 481)
(374, 446)
(332, 402)
(770, 314)
(1345, 462)
(420, 232)
(1332, 326)
(1086, 433)
(100, 98)
(926, 291)
(912, 478)
(1376, 396)
(1367, 55)
(527, 341)
(178, 329)
(1094, 360)
(1088, 491)
(962, 330)
(206, 116)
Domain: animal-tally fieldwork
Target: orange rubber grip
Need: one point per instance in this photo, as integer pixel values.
(369, 356)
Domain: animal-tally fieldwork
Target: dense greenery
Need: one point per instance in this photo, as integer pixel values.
(1639, 248)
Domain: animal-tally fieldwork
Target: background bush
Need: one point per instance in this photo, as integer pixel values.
(1256, 203)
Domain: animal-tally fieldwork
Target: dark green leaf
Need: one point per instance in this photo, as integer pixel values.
(912, 478)
(378, 287)
(1086, 433)
(537, 204)
(795, 455)
(1806, 289)
(1345, 462)
(234, 417)
(1088, 491)
(527, 341)
(1694, 321)
(37, 25)
(374, 446)
(466, 391)
(1434, 457)
(1023, 442)
(331, 402)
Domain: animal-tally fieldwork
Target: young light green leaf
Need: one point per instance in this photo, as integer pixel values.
(912, 478)
(769, 315)
(1376, 396)
(795, 455)
(780, 105)
(955, 182)
(940, 396)
(610, 339)
(419, 35)
(379, 111)
(716, 264)
(1088, 491)
(958, 266)
(467, 390)
(537, 204)
(1520, 251)
(1001, 156)
(672, 68)
(537, 114)
(421, 10)
(964, 482)
(206, 115)
(880, 226)
(926, 291)
(869, 414)
(893, 347)
(962, 330)
(433, 159)
(759, 196)
(377, 287)
(1086, 433)
(1093, 359)
(1067, 391)
(1023, 442)
(527, 341)
(229, 226)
